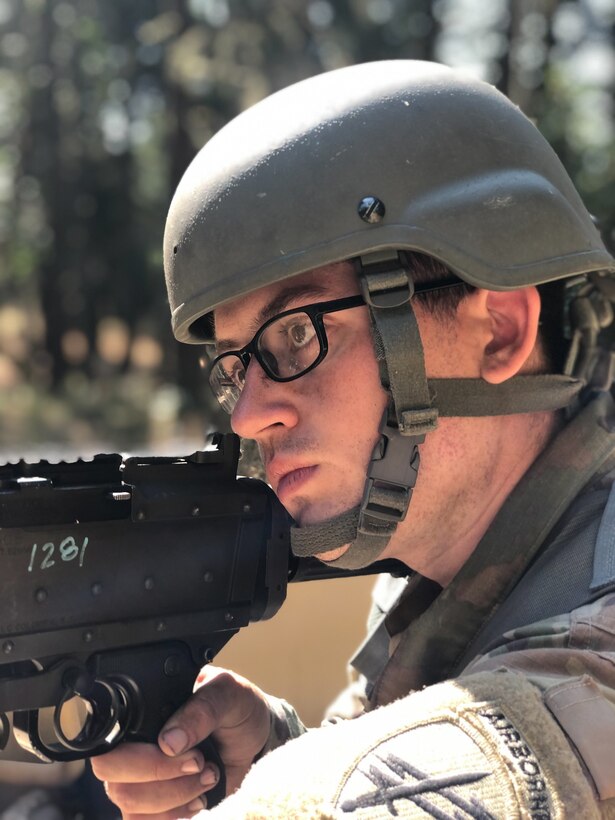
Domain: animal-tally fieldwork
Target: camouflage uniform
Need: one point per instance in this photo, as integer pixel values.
(523, 638)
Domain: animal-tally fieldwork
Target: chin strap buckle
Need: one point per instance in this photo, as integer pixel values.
(391, 477)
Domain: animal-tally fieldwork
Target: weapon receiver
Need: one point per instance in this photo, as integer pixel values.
(120, 579)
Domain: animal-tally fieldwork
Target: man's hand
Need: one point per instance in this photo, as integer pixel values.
(171, 781)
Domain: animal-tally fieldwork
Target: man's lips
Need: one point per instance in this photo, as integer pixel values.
(287, 481)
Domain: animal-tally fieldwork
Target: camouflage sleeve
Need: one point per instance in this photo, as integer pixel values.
(480, 747)
(527, 731)
(285, 725)
(571, 661)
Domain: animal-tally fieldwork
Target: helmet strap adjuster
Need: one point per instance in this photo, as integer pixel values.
(391, 477)
(417, 422)
(384, 282)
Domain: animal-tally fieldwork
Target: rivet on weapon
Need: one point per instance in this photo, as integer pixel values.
(208, 577)
(247, 508)
(141, 515)
(196, 510)
(160, 626)
(371, 209)
(208, 655)
(96, 588)
(87, 636)
(229, 617)
(171, 666)
(40, 595)
(7, 647)
(149, 583)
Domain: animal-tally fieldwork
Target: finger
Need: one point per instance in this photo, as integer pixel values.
(156, 798)
(189, 810)
(234, 777)
(201, 715)
(144, 763)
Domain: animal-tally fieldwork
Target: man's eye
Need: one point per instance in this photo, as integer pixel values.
(238, 374)
(231, 372)
(301, 334)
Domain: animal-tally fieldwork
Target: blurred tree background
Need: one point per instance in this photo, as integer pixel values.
(103, 104)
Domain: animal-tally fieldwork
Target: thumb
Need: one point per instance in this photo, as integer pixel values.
(227, 705)
(191, 724)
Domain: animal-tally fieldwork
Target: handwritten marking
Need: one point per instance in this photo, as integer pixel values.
(48, 561)
(68, 550)
(82, 553)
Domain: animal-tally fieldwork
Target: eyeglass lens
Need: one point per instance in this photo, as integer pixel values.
(286, 348)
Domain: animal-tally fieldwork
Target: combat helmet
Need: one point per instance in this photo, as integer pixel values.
(366, 163)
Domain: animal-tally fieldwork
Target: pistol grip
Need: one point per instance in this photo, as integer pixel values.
(212, 755)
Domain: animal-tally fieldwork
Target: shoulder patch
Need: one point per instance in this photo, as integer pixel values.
(483, 747)
(466, 766)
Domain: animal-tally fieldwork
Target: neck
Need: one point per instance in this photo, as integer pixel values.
(461, 519)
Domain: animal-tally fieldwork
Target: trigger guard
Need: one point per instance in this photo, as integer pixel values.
(27, 735)
(84, 745)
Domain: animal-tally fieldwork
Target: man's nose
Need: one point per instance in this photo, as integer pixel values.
(263, 404)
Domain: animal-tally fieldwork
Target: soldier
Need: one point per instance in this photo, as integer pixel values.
(391, 264)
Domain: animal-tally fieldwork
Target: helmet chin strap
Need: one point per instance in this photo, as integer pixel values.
(414, 405)
(368, 527)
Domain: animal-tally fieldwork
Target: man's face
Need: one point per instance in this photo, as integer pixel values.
(315, 434)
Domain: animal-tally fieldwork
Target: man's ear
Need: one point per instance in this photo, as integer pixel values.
(513, 320)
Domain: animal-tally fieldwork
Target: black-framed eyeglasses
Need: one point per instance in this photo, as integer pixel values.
(287, 346)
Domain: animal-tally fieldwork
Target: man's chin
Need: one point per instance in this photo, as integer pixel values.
(333, 555)
(307, 510)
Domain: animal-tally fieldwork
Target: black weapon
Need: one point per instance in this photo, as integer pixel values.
(119, 580)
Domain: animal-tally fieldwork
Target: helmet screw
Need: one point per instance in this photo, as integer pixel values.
(371, 209)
